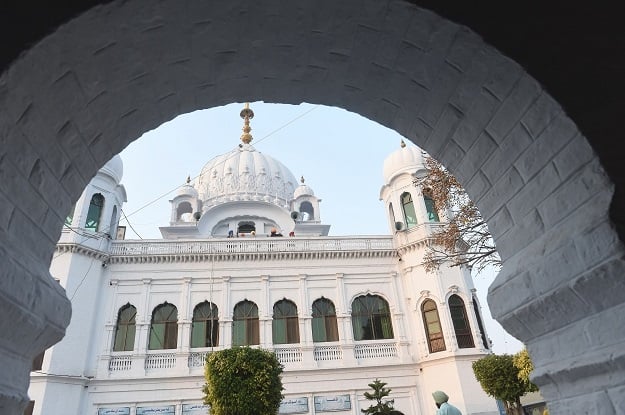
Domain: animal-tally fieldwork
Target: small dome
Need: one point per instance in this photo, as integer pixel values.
(186, 190)
(405, 159)
(114, 168)
(303, 190)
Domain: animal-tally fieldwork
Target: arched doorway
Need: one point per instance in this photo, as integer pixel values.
(124, 68)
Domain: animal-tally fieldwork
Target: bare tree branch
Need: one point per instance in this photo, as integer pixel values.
(464, 239)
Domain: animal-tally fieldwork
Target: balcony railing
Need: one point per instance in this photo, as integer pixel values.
(324, 353)
(120, 363)
(288, 354)
(160, 361)
(375, 350)
(249, 245)
(197, 359)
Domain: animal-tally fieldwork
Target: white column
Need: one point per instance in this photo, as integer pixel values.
(304, 318)
(225, 326)
(143, 320)
(342, 314)
(447, 324)
(398, 315)
(107, 347)
(144, 317)
(185, 316)
(264, 313)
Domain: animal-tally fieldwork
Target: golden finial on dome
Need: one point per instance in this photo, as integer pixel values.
(402, 144)
(302, 179)
(247, 114)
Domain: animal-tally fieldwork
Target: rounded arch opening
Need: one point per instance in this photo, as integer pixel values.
(533, 175)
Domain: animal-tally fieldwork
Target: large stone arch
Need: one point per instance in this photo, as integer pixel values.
(84, 92)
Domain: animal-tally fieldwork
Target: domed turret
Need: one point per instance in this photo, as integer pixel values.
(186, 190)
(97, 211)
(303, 189)
(406, 202)
(185, 204)
(405, 159)
(114, 168)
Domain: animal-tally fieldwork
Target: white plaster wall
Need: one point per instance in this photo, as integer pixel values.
(533, 175)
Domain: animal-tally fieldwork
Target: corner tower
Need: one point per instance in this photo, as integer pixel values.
(444, 309)
(79, 265)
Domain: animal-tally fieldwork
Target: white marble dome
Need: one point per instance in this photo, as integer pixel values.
(114, 168)
(407, 158)
(245, 174)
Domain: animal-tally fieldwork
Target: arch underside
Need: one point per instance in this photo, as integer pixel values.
(124, 68)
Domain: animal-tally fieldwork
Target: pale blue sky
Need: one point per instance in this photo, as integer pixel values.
(340, 154)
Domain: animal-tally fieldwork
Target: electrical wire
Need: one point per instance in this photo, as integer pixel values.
(129, 224)
(228, 158)
(107, 230)
(85, 276)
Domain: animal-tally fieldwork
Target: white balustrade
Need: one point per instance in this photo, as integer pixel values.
(120, 363)
(197, 359)
(288, 354)
(324, 353)
(250, 245)
(375, 350)
(160, 361)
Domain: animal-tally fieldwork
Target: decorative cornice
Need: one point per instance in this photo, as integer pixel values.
(73, 248)
(248, 256)
(415, 245)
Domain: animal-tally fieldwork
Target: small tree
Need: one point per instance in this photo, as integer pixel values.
(464, 238)
(243, 381)
(379, 393)
(523, 362)
(499, 377)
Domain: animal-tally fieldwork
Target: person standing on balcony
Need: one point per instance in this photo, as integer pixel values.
(444, 408)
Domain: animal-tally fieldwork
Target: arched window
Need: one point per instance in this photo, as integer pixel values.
(461, 322)
(285, 325)
(324, 326)
(307, 207)
(95, 212)
(371, 318)
(125, 329)
(410, 217)
(183, 207)
(480, 324)
(205, 325)
(164, 327)
(430, 207)
(433, 329)
(245, 331)
(70, 216)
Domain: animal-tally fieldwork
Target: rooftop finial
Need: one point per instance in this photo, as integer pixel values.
(402, 144)
(188, 179)
(247, 114)
(302, 179)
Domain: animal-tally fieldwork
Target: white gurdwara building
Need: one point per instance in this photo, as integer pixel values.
(246, 260)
